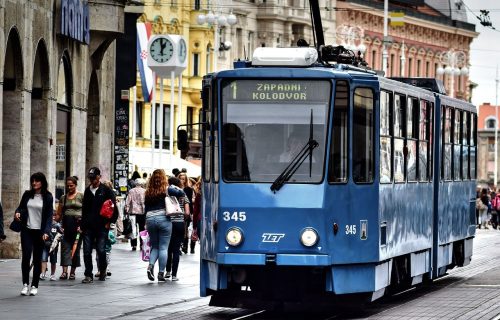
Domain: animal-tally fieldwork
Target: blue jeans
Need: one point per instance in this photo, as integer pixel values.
(160, 230)
(97, 238)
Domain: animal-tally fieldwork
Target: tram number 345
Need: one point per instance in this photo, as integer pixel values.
(236, 215)
(350, 229)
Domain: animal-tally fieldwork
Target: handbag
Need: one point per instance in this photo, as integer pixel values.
(172, 206)
(194, 235)
(107, 209)
(127, 225)
(146, 245)
(15, 225)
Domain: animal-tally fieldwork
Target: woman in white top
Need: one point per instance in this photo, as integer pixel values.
(35, 212)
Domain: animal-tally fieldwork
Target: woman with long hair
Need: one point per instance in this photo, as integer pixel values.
(35, 213)
(158, 224)
(185, 184)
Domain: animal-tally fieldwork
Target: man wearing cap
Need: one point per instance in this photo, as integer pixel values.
(94, 226)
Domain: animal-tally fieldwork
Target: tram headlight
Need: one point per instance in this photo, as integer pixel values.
(309, 237)
(234, 236)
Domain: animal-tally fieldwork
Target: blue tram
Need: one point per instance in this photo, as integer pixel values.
(324, 180)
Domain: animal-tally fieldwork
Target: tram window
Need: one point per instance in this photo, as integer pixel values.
(207, 150)
(399, 159)
(215, 148)
(457, 162)
(465, 145)
(423, 144)
(385, 137)
(266, 125)
(411, 141)
(447, 146)
(338, 167)
(473, 147)
(362, 148)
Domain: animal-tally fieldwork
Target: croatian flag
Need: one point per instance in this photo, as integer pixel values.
(147, 81)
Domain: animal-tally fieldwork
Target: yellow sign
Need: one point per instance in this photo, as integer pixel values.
(397, 19)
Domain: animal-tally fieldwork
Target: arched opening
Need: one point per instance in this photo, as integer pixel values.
(12, 124)
(40, 135)
(63, 123)
(93, 110)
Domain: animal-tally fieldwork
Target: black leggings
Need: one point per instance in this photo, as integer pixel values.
(174, 246)
(31, 242)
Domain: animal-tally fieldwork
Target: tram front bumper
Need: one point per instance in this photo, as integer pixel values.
(277, 259)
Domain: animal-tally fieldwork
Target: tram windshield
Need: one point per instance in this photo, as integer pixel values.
(266, 123)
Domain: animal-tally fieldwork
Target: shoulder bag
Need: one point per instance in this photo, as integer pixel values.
(172, 206)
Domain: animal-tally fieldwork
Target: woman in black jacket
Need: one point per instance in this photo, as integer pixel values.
(35, 212)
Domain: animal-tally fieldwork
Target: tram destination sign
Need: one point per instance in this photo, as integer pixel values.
(75, 20)
(277, 90)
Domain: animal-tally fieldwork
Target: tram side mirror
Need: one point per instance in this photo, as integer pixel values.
(182, 140)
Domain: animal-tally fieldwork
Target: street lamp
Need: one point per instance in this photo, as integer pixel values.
(349, 35)
(456, 65)
(218, 21)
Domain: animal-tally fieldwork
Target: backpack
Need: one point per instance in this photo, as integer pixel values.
(496, 202)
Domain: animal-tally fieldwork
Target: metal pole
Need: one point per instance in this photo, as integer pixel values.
(216, 45)
(172, 97)
(134, 115)
(496, 130)
(179, 99)
(160, 118)
(153, 124)
(384, 42)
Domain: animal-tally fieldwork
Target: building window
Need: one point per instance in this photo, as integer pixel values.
(138, 119)
(374, 59)
(427, 69)
(410, 62)
(490, 123)
(197, 4)
(391, 67)
(419, 65)
(196, 64)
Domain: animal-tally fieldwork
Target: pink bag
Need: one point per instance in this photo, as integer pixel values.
(146, 245)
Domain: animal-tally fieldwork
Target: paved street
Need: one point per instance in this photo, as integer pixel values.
(472, 292)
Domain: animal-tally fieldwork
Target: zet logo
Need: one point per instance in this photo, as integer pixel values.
(272, 237)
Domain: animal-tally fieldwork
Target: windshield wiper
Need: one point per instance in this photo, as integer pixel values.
(297, 161)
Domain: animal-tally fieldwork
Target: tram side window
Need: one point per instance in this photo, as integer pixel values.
(412, 138)
(465, 144)
(207, 150)
(457, 140)
(424, 138)
(447, 146)
(385, 137)
(473, 147)
(338, 167)
(362, 148)
(399, 124)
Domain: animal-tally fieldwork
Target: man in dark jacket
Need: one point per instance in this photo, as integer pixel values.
(95, 227)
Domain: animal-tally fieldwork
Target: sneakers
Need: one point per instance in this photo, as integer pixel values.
(174, 278)
(53, 277)
(167, 275)
(161, 277)
(43, 276)
(25, 290)
(150, 273)
(33, 291)
(98, 274)
(102, 275)
(88, 280)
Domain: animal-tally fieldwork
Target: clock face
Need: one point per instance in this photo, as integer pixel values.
(182, 51)
(161, 49)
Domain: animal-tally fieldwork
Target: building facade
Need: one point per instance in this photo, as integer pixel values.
(433, 42)
(486, 124)
(56, 94)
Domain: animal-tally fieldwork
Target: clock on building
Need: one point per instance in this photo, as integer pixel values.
(182, 50)
(161, 49)
(167, 54)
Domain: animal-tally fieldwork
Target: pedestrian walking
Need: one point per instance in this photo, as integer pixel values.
(35, 213)
(158, 225)
(95, 225)
(185, 185)
(178, 227)
(196, 214)
(134, 207)
(70, 213)
(482, 206)
(110, 241)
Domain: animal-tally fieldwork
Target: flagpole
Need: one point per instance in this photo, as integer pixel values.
(496, 130)
(153, 123)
